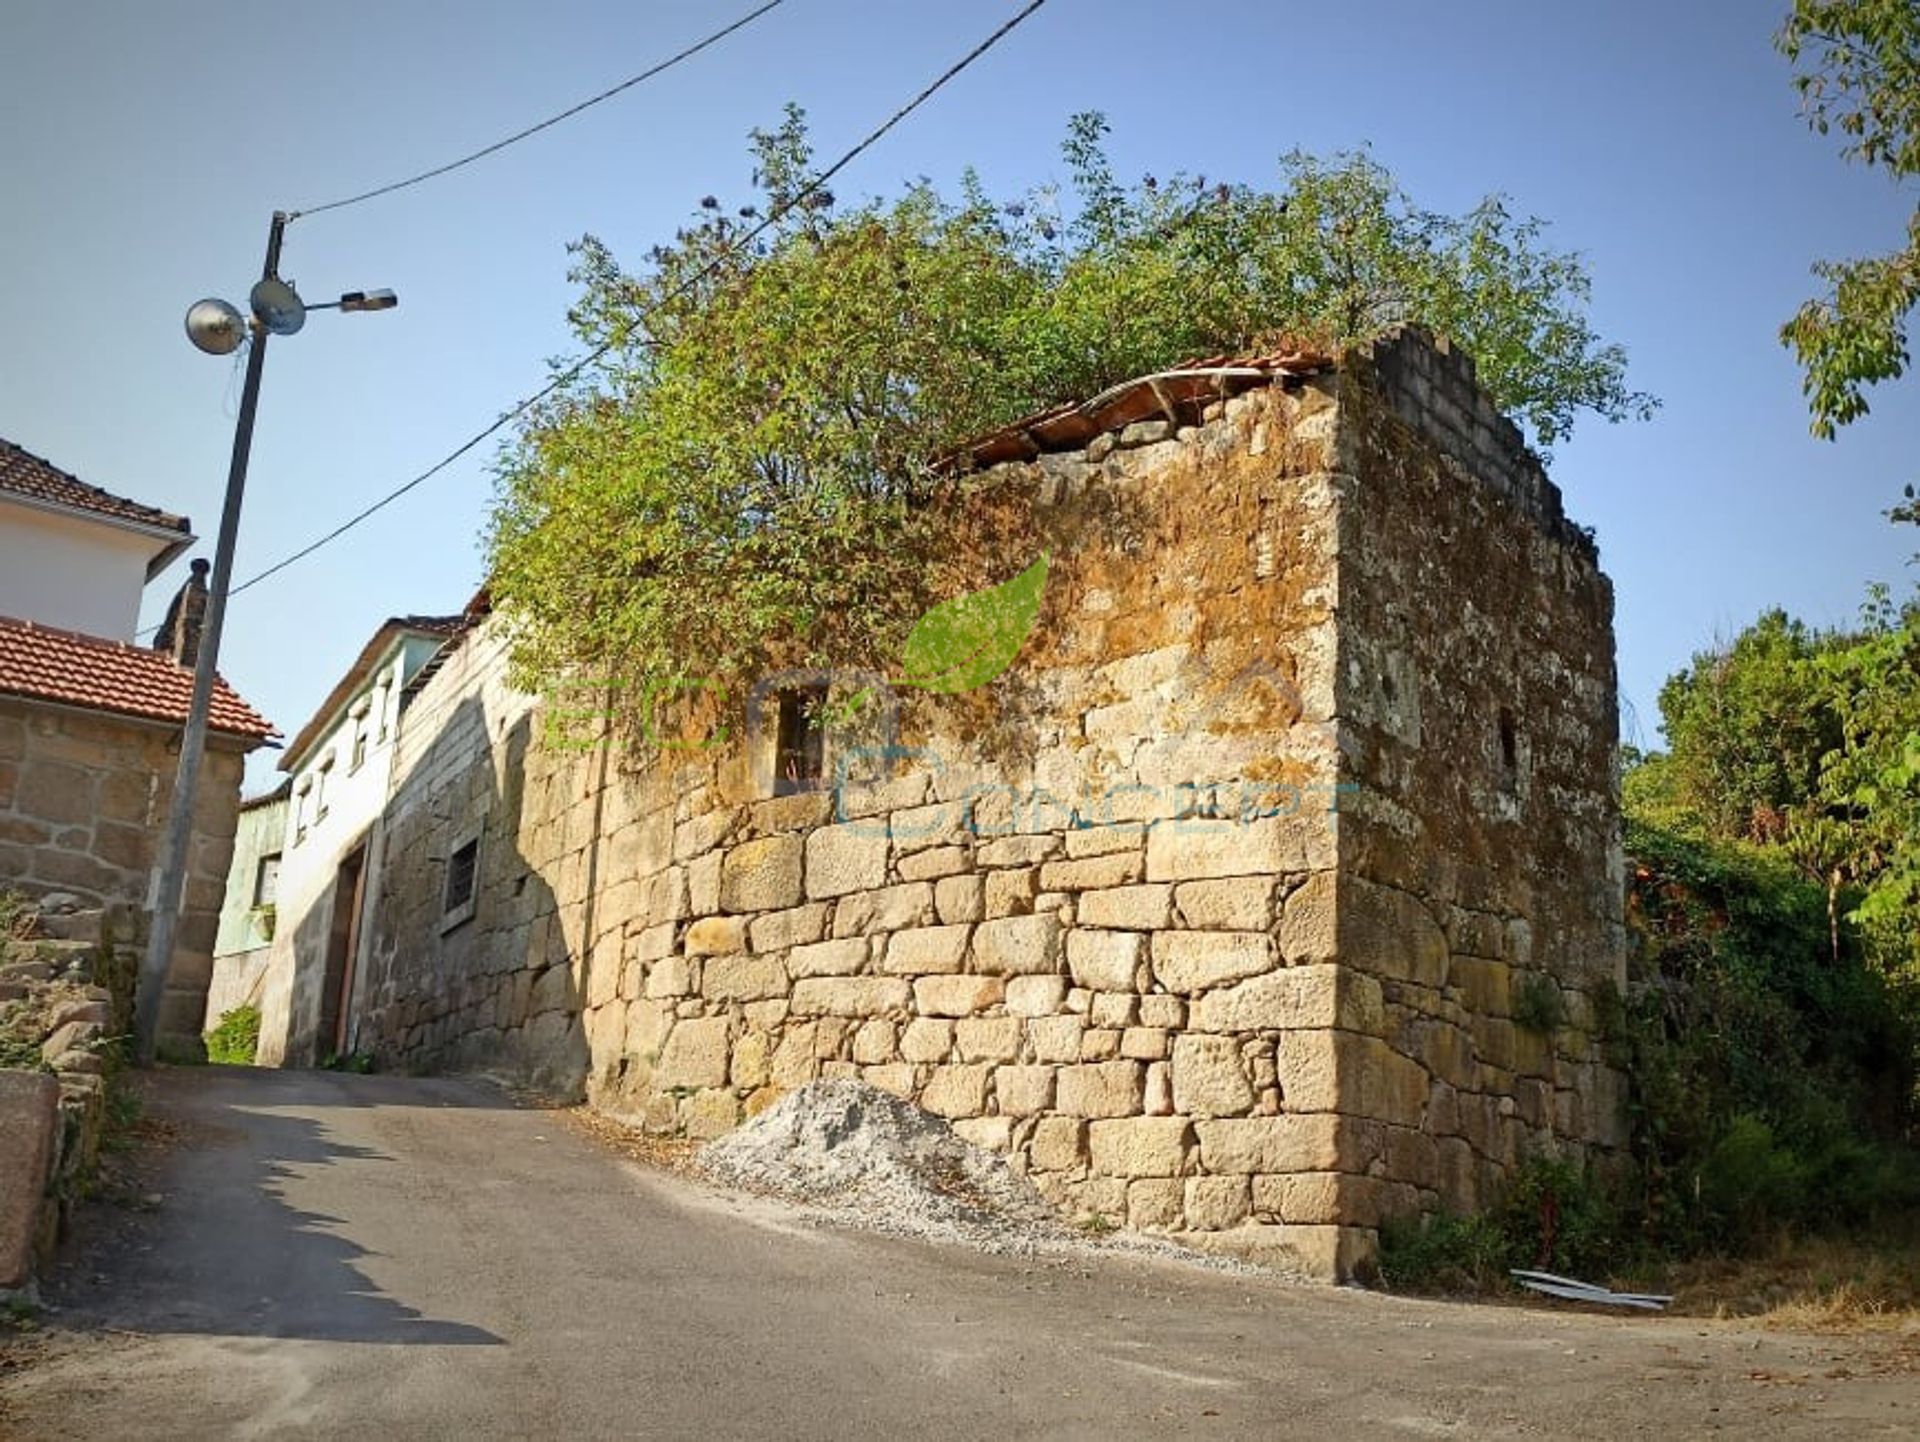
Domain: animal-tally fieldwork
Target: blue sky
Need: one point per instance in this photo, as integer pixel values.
(147, 145)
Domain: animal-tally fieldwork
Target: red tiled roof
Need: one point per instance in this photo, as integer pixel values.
(45, 664)
(24, 474)
(1161, 395)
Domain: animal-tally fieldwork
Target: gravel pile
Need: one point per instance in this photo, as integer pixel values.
(859, 1156)
(844, 1145)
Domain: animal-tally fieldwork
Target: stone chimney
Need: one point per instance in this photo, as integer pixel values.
(179, 634)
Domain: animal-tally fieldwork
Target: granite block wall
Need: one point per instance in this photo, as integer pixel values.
(1209, 915)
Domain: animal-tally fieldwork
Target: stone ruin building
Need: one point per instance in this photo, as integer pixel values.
(1315, 792)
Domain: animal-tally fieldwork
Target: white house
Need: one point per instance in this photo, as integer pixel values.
(338, 768)
(75, 556)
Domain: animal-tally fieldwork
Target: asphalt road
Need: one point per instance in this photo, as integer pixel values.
(397, 1258)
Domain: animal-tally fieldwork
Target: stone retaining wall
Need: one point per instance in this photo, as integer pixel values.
(52, 1117)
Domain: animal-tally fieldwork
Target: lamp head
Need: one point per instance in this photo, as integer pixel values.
(277, 307)
(215, 327)
(369, 300)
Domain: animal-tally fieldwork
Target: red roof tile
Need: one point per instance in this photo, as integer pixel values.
(24, 474)
(45, 664)
(1161, 395)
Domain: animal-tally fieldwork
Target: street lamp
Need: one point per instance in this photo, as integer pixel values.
(219, 329)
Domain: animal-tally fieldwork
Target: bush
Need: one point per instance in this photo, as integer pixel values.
(1554, 1216)
(1770, 1084)
(235, 1040)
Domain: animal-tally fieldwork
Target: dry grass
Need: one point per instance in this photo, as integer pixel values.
(1810, 1286)
(668, 1153)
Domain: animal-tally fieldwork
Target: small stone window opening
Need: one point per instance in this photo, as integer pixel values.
(800, 748)
(1509, 747)
(302, 804)
(266, 881)
(463, 871)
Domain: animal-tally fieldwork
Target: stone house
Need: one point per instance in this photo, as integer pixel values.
(337, 770)
(90, 724)
(89, 743)
(1274, 895)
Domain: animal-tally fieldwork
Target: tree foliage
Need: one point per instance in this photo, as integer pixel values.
(1857, 66)
(1808, 742)
(1771, 1026)
(748, 472)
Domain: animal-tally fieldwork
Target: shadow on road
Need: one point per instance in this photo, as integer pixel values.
(230, 1252)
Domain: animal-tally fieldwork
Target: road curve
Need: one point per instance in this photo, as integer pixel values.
(421, 1258)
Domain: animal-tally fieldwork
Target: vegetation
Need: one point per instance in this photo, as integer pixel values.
(1857, 65)
(748, 474)
(1808, 745)
(1554, 1217)
(237, 1037)
(17, 916)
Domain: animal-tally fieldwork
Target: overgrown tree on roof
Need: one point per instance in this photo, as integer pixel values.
(747, 472)
(1857, 66)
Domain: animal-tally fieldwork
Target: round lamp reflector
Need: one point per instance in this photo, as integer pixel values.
(280, 310)
(215, 327)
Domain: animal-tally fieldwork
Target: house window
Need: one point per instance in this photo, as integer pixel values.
(266, 881)
(362, 729)
(463, 874)
(320, 789)
(302, 805)
(800, 750)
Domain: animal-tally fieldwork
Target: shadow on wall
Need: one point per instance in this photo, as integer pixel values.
(306, 972)
(475, 975)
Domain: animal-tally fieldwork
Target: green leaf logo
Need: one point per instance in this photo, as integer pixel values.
(969, 640)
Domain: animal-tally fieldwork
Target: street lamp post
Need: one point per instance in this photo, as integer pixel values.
(216, 327)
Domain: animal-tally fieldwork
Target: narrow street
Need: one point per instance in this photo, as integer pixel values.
(390, 1257)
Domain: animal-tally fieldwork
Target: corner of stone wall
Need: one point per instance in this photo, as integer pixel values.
(1440, 1090)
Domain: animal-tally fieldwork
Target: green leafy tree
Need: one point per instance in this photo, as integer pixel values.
(1870, 782)
(749, 475)
(1857, 66)
(1748, 728)
(1809, 742)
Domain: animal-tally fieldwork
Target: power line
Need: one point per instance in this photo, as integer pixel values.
(800, 197)
(552, 120)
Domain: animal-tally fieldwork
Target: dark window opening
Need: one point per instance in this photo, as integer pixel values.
(266, 881)
(461, 869)
(800, 750)
(1509, 743)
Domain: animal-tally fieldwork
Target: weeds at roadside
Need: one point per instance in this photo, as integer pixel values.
(235, 1040)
